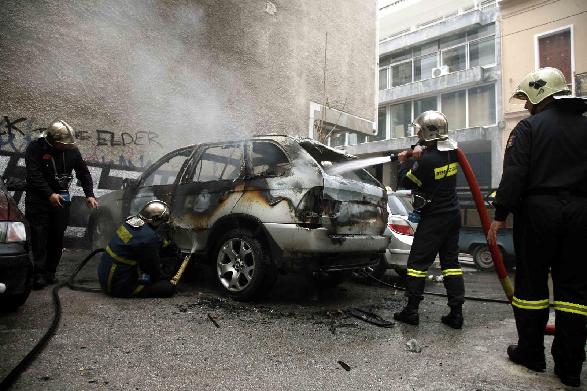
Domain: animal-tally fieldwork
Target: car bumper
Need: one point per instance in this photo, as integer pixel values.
(397, 258)
(292, 239)
(16, 272)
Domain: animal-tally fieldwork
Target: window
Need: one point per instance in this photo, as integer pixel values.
(423, 105)
(554, 50)
(401, 117)
(223, 162)
(453, 106)
(455, 58)
(268, 159)
(167, 171)
(482, 106)
(401, 74)
(482, 52)
(452, 40)
(381, 124)
(423, 66)
(383, 78)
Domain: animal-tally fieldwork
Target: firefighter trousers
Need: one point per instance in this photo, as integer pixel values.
(550, 233)
(436, 234)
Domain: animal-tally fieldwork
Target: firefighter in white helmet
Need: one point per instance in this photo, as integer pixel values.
(544, 184)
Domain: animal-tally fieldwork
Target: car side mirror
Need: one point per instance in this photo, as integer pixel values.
(129, 182)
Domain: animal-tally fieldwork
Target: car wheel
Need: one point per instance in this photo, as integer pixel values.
(101, 231)
(243, 267)
(11, 303)
(482, 258)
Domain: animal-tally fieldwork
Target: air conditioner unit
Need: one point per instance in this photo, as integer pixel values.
(440, 71)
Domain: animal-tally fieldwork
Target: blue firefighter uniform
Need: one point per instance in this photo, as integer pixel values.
(132, 251)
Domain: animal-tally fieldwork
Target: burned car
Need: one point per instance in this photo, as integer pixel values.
(257, 207)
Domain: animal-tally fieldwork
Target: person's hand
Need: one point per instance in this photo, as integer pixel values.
(403, 156)
(91, 202)
(55, 200)
(418, 151)
(492, 233)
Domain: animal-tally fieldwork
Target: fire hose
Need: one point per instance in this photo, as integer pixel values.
(500, 269)
(9, 380)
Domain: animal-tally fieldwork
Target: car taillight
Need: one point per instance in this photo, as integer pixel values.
(401, 227)
(12, 231)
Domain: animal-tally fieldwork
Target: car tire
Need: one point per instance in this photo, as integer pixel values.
(243, 266)
(482, 258)
(101, 231)
(12, 303)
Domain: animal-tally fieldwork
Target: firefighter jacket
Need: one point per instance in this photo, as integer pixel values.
(41, 173)
(545, 154)
(433, 177)
(131, 251)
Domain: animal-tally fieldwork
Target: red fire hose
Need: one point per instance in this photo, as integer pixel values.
(495, 252)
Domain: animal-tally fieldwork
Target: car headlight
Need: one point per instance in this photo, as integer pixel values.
(12, 231)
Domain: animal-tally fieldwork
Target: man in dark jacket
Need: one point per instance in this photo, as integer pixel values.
(131, 265)
(544, 183)
(432, 176)
(49, 162)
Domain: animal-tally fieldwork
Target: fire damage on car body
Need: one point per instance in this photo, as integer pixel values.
(257, 207)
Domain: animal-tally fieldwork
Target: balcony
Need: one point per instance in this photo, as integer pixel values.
(455, 80)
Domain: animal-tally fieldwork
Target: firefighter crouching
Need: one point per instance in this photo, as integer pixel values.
(432, 175)
(544, 184)
(134, 251)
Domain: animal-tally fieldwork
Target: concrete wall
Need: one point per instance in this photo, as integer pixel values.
(522, 21)
(138, 78)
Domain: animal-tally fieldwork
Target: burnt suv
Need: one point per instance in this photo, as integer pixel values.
(259, 206)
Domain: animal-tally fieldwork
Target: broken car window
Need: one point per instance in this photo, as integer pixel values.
(268, 160)
(219, 163)
(167, 171)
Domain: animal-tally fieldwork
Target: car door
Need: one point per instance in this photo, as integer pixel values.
(157, 182)
(209, 189)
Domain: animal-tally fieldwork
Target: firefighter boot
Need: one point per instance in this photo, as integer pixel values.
(455, 317)
(409, 314)
(534, 362)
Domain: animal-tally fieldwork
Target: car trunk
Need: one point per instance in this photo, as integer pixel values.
(353, 202)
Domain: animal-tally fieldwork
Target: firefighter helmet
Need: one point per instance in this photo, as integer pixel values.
(540, 84)
(432, 124)
(155, 213)
(59, 131)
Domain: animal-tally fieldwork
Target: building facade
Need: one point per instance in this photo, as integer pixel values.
(537, 34)
(438, 56)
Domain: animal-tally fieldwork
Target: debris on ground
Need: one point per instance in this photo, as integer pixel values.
(414, 346)
(369, 317)
(344, 365)
(213, 321)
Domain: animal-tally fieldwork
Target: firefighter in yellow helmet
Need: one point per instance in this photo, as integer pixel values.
(131, 264)
(544, 184)
(49, 164)
(431, 174)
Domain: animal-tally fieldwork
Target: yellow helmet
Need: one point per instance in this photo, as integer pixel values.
(540, 84)
(59, 131)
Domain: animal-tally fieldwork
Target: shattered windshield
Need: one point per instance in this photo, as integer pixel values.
(326, 156)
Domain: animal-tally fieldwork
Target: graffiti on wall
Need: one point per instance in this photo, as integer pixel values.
(97, 146)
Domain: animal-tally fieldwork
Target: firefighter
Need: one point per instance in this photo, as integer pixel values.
(131, 265)
(431, 173)
(544, 184)
(49, 162)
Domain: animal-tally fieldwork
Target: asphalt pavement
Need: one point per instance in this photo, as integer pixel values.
(300, 338)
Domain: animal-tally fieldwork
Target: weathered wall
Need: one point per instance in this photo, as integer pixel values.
(137, 78)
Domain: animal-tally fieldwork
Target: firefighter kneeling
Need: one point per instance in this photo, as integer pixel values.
(133, 252)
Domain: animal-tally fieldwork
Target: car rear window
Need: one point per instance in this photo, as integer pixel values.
(322, 154)
(399, 205)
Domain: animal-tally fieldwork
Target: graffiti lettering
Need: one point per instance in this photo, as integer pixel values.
(108, 138)
(10, 126)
